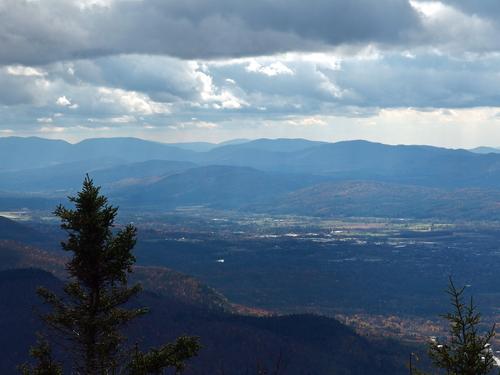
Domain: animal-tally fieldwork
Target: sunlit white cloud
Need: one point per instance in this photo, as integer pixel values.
(85, 4)
(451, 30)
(125, 119)
(194, 124)
(27, 71)
(45, 120)
(131, 101)
(63, 101)
(273, 69)
(52, 129)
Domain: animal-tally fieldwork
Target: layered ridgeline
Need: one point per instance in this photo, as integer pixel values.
(290, 176)
(232, 342)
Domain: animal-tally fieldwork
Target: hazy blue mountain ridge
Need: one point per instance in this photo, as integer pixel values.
(25, 153)
(284, 155)
(215, 186)
(32, 152)
(281, 175)
(485, 150)
(106, 172)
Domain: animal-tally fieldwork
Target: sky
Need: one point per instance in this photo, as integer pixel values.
(391, 71)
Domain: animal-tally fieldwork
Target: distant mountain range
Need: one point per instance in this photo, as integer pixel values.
(18, 153)
(485, 150)
(68, 176)
(213, 186)
(267, 175)
(354, 159)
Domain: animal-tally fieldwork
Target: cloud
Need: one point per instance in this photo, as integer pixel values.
(483, 8)
(273, 69)
(44, 120)
(63, 101)
(306, 121)
(84, 4)
(26, 71)
(21, 85)
(37, 32)
(452, 30)
(131, 101)
(52, 129)
(158, 87)
(194, 124)
(130, 66)
(125, 119)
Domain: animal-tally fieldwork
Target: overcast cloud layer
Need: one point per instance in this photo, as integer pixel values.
(395, 71)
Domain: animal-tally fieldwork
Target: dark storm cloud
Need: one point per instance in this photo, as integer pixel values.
(331, 21)
(37, 32)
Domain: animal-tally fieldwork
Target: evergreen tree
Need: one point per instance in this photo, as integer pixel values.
(92, 312)
(467, 352)
(46, 365)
